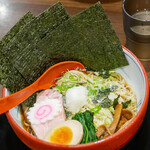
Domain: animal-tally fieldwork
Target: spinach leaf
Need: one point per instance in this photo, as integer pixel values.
(86, 119)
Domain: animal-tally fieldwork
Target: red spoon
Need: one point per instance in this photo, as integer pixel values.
(43, 82)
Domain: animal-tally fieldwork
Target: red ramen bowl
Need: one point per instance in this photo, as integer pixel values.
(135, 75)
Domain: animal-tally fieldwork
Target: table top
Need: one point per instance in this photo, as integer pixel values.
(12, 10)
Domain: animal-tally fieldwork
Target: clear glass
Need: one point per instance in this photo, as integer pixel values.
(136, 21)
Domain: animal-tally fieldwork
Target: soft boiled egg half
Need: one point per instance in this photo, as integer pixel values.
(69, 132)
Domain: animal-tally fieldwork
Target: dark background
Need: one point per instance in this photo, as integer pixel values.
(8, 139)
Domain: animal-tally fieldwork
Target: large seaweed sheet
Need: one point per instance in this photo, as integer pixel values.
(88, 37)
(9, 75)
(21, 50)
(16, 28)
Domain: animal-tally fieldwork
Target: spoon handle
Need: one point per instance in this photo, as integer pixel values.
(15, 99)
(44, 82)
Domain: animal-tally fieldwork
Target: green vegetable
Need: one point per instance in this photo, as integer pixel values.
(90, 82)
(96, 109)
(86, 119)
(65, 86)
(125, 104)
(74, 78)
(107, 121)
(112, 110)
(91, 91)
(69, 82)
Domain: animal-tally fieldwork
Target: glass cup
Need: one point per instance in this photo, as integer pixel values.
(136, 21)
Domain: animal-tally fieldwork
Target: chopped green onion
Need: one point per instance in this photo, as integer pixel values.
(112, 110)
(91, 91)
(53, 85)
(96, 109)
(98, 79)
(73, 78)
(90, 82)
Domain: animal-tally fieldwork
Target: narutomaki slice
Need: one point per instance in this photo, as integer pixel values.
(46, 112)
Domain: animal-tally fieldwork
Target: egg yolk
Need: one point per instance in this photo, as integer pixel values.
(61, 135)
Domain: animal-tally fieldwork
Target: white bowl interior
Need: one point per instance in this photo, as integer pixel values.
(132, 73)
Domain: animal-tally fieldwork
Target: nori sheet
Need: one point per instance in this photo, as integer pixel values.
(87, 37)
(21, 50)
(37, 67)
(16, 28)
(9, 76)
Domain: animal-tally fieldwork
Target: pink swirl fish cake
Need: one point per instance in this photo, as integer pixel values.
(47, 112)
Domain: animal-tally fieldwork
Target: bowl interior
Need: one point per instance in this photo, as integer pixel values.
(132, 73)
